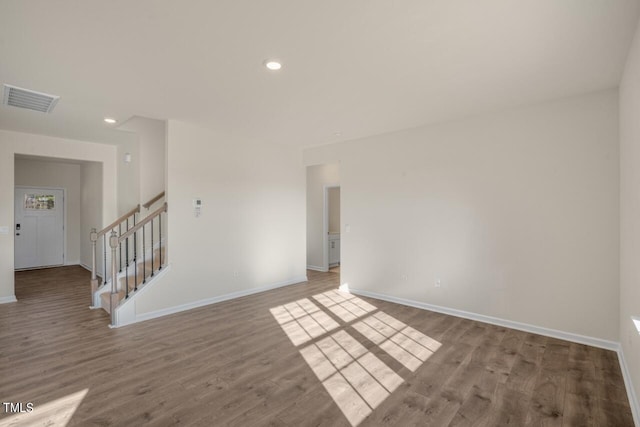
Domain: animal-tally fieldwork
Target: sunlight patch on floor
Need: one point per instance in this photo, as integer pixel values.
(55, 413)
(356, 379)
(346, 306)
(302, 321)
(405, 344)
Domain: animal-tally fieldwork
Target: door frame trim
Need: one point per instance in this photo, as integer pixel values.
(64, 224)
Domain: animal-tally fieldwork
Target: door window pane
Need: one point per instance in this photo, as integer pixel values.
(39, 202)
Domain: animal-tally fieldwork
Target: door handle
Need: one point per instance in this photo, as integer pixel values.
(17, 234)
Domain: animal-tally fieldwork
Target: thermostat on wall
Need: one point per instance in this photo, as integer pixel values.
(197, 207)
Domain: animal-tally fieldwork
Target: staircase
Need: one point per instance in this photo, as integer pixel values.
(133, 252)
(136, 277)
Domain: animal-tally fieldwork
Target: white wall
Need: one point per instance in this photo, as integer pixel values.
(515, 212)
(318, 177)
(630, 212)
(12, 143)
(128, 177)
(91, 212)
(41, 173)
(151, 154)
(252, 223)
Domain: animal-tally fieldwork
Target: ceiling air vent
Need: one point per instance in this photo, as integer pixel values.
(29, 99)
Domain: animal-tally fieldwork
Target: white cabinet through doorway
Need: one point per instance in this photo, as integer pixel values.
(334, 249)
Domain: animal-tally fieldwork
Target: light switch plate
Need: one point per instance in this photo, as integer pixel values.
(4, 230)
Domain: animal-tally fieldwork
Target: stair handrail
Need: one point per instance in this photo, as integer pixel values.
(143, 222)
(117, 222)
(115, 241)
(94, 236)
(153, 200)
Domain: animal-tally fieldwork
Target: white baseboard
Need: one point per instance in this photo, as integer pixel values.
(208, 301)
(567, 336)
(316, 268)
(631, 393)
(5, 300)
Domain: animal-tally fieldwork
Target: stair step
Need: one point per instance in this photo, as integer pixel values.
(105, 299)
(142, 273)
(141, 278)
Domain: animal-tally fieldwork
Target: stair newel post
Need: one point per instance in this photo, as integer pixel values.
(152, 250)
(114, 243)
(135, 254)
(120, 245)
(135, 263)
(126, 269)
(160, 240)
(126, 242)
(135, 240)
(144, 255)
(104, 252)
(94, 277)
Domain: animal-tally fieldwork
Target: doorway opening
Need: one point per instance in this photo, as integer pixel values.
(57, 201)
(323, 218)
(332, 226)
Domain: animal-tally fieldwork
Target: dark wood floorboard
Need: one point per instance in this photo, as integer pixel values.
(231, 364)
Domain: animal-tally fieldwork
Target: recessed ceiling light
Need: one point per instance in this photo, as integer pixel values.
(272, 65)
(110, 120)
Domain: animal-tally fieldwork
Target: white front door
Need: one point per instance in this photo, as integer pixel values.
(39, 227)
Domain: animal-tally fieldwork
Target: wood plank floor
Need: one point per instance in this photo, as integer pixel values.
(234, 364)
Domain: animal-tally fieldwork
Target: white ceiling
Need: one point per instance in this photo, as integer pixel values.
(360, 67)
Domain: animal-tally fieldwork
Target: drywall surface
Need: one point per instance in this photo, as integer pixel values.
(251, 232)
(40, 173)
(630, 213)
(12, 143)
(128, 176)
(515, 213)
(318, 178)
(151, 154)
(91, 213)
